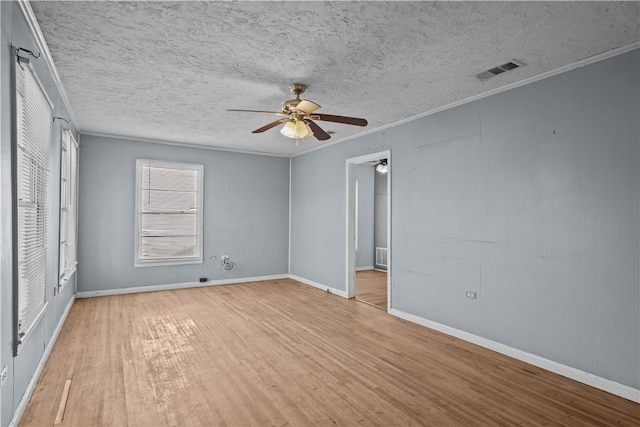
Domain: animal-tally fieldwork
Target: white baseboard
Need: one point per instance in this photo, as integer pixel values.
(172, 286)
(22, 406)
(558, 368)
(366, 267)
(338, 292)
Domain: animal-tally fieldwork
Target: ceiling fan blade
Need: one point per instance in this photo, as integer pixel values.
(340, 119)
(307, 107)
(279, 113)
(320, 134)
(269, 126)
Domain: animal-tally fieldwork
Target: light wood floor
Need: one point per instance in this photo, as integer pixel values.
(282, 353)
(371, 287)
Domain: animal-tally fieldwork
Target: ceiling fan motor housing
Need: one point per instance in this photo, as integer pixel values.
(290, 105)
(300, 122)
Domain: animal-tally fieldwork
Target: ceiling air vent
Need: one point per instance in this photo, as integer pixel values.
(511, 65)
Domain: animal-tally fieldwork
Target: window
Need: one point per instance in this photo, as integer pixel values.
(68, 206)
(31, 152)
(168, 213)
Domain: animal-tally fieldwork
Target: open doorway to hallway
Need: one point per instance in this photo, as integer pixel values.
(371, 288)
(368, 229)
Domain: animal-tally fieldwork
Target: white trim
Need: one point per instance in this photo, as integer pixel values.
(289, 249)
(32, 22)
(389, 234)
(581, 63)
(138, 261)
(356, 223)
(541, 362)
(22, 406)
(349, 250)
(366, 267)
(65, 276)
(173, 286)
(328, 289)
(350, 266)
(180, 144)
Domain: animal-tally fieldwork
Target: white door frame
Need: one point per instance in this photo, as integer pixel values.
(351, 221)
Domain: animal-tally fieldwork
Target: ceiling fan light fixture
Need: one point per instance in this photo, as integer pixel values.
(382, 167)
(296, 129)
(301, 118)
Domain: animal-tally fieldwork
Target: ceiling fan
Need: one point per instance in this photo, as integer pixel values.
(299, 115)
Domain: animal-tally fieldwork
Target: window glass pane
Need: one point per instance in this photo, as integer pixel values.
(162, 178)
(168, 224)
(169, 247)
(158, 201)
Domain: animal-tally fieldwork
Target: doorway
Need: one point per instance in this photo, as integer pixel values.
(368, 267)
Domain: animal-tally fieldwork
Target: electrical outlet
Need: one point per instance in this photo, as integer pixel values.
(472, 295)
(3, 375)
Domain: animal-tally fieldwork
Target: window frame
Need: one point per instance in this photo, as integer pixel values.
(41, 200)
(155, 262)
(68, 202)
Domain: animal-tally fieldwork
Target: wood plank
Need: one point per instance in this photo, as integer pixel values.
(282, 353)
(371, 288)
(63, 402)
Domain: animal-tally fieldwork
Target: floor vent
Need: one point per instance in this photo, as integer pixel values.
(381, 256)
(511, 65)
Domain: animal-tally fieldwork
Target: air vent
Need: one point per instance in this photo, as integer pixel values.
(511, 65)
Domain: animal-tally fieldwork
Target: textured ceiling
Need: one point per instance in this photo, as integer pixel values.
(169, 70)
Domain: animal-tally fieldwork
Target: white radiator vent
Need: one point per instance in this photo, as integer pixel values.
(511, 65)
(381, 256)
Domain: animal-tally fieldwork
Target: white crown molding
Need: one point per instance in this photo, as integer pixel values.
(584, 377)
(180, 144)
(581, 63)
(32, 22)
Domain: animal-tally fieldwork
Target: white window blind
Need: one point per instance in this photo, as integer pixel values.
(168, 213)
(33, 147)
(68, 206)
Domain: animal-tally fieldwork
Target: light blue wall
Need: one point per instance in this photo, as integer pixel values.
(365, 254)
(529, 197)
(246, 214)
(14, 31)
(318, 211)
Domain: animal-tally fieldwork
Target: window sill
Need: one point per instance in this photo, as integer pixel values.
(67, 277)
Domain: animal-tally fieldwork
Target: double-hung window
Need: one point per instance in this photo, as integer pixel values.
(32, 149)
(168, 213)
(68, 206)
